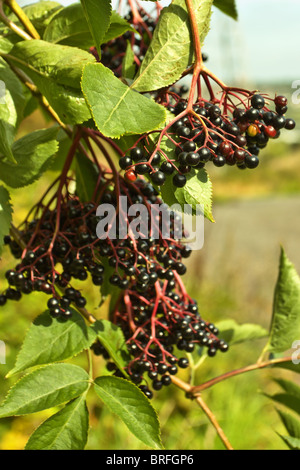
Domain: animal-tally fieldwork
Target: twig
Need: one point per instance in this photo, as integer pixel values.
(12, 25)
(19, 12)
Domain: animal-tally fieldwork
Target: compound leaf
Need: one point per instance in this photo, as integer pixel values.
(50, 340)
(116, 108)
(130, 404)
(44, 388)
(56, 70)
(171, 49)
(65, 430)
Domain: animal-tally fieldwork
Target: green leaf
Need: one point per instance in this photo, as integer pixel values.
(117, 27)
(51, 340)
(130, 404)
(228, 7)
(65, 430)
(44, 388)
(291, 397)
(5, 214)
(12, 103)
(97, 13)
(292, 442)
(56, 70)
(33, 154)
(116, 108)
(69, 26)
(86, 177)
(291, 424)
(289, 387)
(112, 338)
(288, 365)
(234, 333)
(171, 49)
(285, 325)
(40, 13)
(128, 64)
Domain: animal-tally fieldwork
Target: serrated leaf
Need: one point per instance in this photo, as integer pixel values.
(128, 64)
(56, 70)
(132, 407)
(40, 13)
(51, 340)
(5, 214)
(12, 103)
(86, 177)
(65, 430)
(44, 388)
(97, 14)
(117, 109)
(112, 338)
(171, 49)
(234, 333)
(33, 154)
(69, 26)
(228, 7)
(292, 442)
(291, 423)
(285, 325)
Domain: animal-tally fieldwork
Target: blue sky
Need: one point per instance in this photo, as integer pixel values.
(263, 46)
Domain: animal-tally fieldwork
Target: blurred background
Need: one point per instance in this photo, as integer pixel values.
(233, 276)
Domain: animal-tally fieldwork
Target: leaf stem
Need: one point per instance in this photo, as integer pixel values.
(19, 12)
(12, 25)
(197, 50)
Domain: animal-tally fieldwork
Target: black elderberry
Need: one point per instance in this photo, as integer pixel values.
(251, 161)
(219, 161)
(125, 162)
(157, 384)
(2, 300)
(183, 131)
(167, 168)
(53, 303)
(183, 362)
(290, 124)
(179, 181)
(136, 153)
(257, 101)
(193, 158)
(158, 178)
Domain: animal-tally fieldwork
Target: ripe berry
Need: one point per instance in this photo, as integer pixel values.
(189, 146)
(2, 300)
(179, 181)
(167, 168)
(53, 303)
(193, 158)
(257, 101)
(219, 160)
(158, 178)
(183, 362)
(251, 161)
(125, 162)
(290, 124)
(136, 153)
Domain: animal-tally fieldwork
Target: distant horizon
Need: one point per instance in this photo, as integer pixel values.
(254, 52)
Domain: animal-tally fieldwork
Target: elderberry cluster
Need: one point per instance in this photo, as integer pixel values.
(210, 135)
